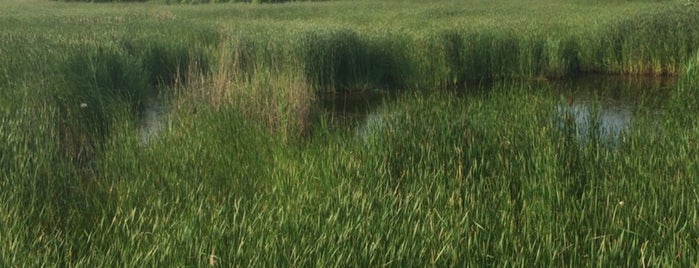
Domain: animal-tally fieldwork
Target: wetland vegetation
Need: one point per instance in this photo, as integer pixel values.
(151, 134)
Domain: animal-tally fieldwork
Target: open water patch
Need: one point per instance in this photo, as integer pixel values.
(151, 120)
(604, 106)
(595, 106)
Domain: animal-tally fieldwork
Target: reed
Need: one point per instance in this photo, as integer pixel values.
(245, 170)
(682, 107)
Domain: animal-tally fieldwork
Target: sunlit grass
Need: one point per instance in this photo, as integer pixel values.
(245, 170)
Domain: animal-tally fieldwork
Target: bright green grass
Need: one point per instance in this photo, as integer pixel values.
(389, 43)
(238, 175)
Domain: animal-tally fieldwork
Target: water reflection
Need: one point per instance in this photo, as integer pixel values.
(151, 120)
(606, 105)
(600, 104)
(354, 104)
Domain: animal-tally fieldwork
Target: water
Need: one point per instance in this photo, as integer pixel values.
(611, 102)
(355, 104)
(151, 120)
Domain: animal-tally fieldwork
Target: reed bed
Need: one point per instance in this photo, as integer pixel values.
(244, 169)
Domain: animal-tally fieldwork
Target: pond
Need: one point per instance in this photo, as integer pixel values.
(612, 100)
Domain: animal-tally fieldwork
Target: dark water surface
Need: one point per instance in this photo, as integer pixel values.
(612, 100)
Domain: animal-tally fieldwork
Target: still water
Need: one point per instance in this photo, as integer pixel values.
(610, 101)
(151, 119)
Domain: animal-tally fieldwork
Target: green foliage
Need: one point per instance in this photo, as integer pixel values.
(237, 174)
(685, 101)
(341, 60)
(656, 43)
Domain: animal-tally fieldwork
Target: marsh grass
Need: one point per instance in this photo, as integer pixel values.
(95, 84)
(239, 174)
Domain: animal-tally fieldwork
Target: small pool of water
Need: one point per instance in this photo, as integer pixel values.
(151, 120)
(612, 101)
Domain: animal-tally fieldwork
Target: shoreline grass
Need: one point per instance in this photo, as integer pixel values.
(239, 175)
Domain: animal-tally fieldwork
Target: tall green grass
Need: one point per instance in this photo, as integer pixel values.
(336, 51)
(238, 175)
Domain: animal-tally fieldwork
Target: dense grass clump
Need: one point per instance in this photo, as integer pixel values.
(181, 135)
(652, 43)
(683, 107)
(96, 83)
(341, 60)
